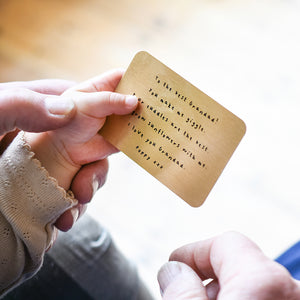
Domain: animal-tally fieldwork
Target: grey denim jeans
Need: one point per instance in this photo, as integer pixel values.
(84, 263)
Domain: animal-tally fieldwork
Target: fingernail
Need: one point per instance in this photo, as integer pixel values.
(131, 101)
(75, 214)
(59, 105)
(95, 186)
(81, 209)
(167, 274)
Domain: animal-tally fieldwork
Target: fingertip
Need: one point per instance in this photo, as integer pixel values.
(92, 177)
(167, 274)
(178, 281)
(117, 103)
(66, 221)
(131, 101)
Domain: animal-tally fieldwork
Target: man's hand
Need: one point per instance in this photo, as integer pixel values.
(237, 268)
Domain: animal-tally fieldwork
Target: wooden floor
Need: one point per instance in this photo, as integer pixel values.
(78, 38)
(244, 54)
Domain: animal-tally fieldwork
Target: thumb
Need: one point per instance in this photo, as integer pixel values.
(32, 111)
(179, 281)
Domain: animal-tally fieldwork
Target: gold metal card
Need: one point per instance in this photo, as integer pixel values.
(177, 133)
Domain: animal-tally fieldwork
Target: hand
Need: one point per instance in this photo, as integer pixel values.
(30, 106)
(37, 106)
(76, 154)
(237, 267)
(33, 106)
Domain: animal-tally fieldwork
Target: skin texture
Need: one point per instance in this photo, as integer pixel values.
(236, 266)
(76, 155)
(23, 107)
(64, 137)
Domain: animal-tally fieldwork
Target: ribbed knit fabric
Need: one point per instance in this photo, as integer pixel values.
(30, 202)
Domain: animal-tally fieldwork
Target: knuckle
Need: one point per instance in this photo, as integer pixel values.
(116, 99)
(230, 237)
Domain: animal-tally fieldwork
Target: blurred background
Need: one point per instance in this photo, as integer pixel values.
(244, 54)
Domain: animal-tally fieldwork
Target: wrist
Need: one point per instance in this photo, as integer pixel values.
(51, 158)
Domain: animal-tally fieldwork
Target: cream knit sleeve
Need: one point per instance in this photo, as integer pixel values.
(30, 202)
